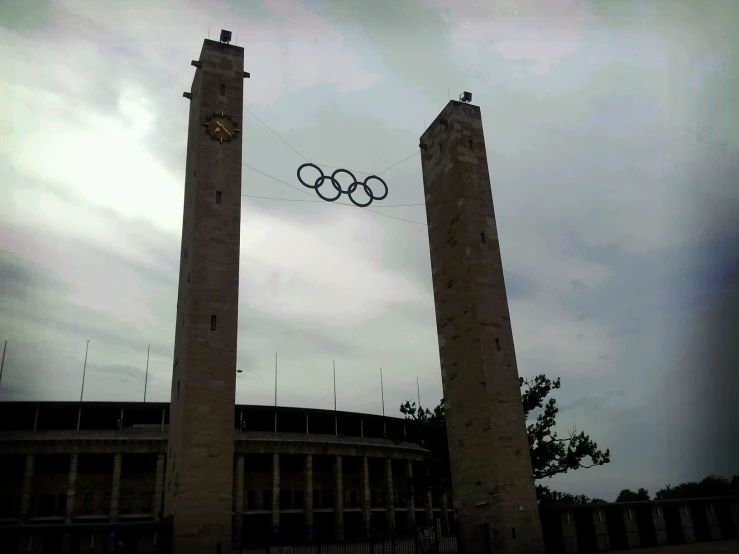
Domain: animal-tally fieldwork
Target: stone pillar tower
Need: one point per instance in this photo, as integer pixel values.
(200, 459)
(492, 477)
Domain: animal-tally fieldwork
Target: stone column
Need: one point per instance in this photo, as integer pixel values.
(569, 533)
(411, 499)
(116, 488)
(159, 488)
(660, 527)
(275, 490)
(27, 486)
(631, 527)
(603, 540)
(308, 492)
(390, 504)
(713, 522)
(734, 507)
(239, 496)
(366, 497)
(444, 514)
(339, 503)
(71, 487)
(686, 520)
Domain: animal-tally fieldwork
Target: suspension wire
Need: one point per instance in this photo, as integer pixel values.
(324, 165)
(276, 134)
(396, 164)
(339, 203)
(322, 201)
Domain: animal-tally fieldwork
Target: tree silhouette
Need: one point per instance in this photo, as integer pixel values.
(627, 495)
(711, 486)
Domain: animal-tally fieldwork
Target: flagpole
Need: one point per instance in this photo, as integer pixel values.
(418, 389)
(275, 379)
(336, 417)
(275, 392)
(84, 370)
(146, 379)
(82, 389)
(382, 392)
(2, 364)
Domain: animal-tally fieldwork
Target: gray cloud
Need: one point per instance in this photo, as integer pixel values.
(611, 167)
(412, 40)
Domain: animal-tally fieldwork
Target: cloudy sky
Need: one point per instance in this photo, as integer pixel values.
(612, 131)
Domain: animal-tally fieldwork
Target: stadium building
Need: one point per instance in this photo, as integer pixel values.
(76, 475)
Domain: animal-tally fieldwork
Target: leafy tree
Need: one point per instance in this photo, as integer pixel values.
(430, 432)
(550, 454)
(627, 495)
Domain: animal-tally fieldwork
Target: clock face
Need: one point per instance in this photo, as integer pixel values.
(221, 127)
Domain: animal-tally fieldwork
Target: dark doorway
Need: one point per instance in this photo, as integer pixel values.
(52, 543)
(551, 526)
(585, 530)
(323, 523)
(723, 508)
(645, 526)
(292, 527)
(128, 542)
(8, 538)
(674, 526)
(401, 524)
(616, 527)
(700, 521)
(487, 547)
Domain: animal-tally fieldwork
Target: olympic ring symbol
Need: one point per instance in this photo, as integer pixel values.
(321, 179)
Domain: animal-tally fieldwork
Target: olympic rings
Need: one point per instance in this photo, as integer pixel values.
(321, 179)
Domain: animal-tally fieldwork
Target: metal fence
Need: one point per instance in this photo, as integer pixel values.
(423, 544)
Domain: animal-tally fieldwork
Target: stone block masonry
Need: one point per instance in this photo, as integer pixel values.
(492, 477)
(200, 457)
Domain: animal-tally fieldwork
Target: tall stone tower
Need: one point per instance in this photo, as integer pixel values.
(492, 477)
(198, 492)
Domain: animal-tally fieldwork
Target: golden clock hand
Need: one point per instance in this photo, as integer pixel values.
(222, 127)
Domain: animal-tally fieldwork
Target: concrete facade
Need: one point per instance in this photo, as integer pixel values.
(58, 481)
(492, 477)
(199, 477)
(109, 475)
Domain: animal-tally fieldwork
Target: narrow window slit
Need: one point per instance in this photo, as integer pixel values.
(218, 197)
(497, 344)
(223, 90)
(212, 323)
